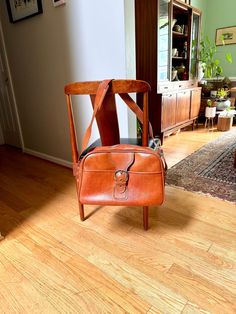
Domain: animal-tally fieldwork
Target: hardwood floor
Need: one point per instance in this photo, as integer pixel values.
(51, 262)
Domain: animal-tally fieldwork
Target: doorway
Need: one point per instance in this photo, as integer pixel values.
(10, 130)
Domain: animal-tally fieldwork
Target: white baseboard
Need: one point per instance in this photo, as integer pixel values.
(56, 160)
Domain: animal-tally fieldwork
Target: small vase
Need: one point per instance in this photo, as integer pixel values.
(180, 71)
(200, 71)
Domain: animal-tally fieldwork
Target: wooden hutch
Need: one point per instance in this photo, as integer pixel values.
(167, 39)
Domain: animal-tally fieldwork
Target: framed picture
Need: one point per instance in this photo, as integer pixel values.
(19, 10)
(226, 36)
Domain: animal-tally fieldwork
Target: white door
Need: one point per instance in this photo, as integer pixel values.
(9, 121)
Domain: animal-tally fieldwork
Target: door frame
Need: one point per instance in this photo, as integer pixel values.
(12, 89)
(2, 140)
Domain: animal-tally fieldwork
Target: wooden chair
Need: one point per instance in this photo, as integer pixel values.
(107, 120)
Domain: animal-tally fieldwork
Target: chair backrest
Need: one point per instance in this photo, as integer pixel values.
(106, 116)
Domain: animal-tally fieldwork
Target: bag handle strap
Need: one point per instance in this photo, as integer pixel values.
(100, 95)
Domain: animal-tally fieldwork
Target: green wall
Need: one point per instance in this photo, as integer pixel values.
(217, 14)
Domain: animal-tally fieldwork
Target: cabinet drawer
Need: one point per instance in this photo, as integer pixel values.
(175, 86)
(164, 88)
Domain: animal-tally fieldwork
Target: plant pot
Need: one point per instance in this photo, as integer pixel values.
(222, 104)
(210, 112)
(213, 93)
(206, 89)
(224, 123)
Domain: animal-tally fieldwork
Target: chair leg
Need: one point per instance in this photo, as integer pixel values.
(81, 211)
(145, 217)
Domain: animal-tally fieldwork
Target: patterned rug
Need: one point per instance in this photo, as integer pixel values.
(209, 170)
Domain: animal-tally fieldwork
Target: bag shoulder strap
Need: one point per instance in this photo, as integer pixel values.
(136, 109)
(100, 95)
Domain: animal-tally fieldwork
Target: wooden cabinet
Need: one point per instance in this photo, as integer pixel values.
(167, 39)
(178, 109)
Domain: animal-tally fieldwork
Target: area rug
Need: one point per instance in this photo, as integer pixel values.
(210, 170)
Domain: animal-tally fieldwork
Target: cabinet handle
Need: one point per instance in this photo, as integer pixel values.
(180, 85)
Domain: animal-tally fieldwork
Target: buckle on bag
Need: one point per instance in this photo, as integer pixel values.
(121, 178)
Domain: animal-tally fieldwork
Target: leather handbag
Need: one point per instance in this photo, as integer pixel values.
(122, 174)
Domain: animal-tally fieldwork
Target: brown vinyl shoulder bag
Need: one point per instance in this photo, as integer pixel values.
(122, 174)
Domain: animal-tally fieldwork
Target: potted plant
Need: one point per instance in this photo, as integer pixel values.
(210, 110)
(207, 60)
(222, 101)
(225, 119)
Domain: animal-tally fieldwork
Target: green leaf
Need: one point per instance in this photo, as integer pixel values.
(219, 70)
(222, 39)
(208, 40)
(228, 57)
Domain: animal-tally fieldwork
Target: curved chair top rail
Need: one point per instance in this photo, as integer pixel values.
(117, 87)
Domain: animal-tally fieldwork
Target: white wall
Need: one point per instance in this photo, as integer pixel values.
(83, 40)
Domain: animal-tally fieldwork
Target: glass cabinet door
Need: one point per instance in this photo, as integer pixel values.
(194, 45)
(163, 43)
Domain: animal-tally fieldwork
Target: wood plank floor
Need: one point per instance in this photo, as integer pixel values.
(50, 262)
